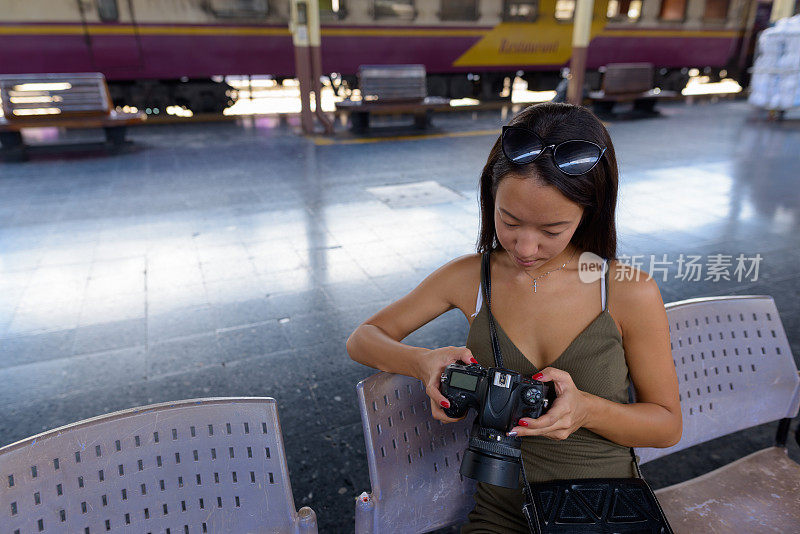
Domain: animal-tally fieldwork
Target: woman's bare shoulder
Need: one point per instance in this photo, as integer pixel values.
(463, 265)
(461, 270)
(633, 291)
(459, 278)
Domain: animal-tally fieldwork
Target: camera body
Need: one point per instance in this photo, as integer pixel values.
(501, 397)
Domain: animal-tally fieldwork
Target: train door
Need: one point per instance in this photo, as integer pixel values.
(114, 37)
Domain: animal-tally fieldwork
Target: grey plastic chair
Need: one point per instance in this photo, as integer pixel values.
(413, 460)
(735, 371)
(213, 465)
(735, 367)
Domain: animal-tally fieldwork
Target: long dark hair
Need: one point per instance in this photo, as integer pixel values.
(596, 190)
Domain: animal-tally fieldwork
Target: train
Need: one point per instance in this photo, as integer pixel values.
(157, 53)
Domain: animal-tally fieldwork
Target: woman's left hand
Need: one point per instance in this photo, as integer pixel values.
(568, 413)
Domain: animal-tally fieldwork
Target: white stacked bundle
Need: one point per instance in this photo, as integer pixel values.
(776, 73)
(764, 83)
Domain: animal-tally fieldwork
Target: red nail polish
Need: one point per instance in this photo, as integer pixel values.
(473, 360)
(523, 423)
(538, 376)
(444, 404)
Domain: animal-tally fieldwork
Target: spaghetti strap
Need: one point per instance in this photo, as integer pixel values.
(479, 301)
(604, 285)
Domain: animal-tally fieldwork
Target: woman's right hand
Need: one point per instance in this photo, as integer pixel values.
(430, 369)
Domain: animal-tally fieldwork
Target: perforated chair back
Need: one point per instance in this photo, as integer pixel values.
(202, 465)
(413, 460)
(735, 367)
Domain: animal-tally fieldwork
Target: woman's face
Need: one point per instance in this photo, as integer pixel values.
(534, 222)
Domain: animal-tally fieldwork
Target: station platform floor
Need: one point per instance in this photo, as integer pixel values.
(234, 259)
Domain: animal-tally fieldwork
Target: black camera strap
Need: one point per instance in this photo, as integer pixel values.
(486, 286)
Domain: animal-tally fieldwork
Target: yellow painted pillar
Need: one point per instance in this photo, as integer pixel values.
(781, 9)
(581, 34)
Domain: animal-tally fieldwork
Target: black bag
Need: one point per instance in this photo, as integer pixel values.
(602, 505)
(597, 505)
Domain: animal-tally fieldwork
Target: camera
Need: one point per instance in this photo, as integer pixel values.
(501, 397)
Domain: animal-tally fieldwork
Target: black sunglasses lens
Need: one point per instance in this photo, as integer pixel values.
(576, 157)
(521, 146)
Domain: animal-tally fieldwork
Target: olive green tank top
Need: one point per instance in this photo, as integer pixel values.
(596, 362)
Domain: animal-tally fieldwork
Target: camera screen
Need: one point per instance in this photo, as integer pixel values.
(463, 381)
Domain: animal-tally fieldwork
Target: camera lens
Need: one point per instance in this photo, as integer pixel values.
(489, 460)
(492, 470)
(501, 396)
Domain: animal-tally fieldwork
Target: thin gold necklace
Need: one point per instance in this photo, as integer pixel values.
(548, 272)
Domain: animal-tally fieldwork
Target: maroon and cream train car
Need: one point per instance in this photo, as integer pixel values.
(161, 52)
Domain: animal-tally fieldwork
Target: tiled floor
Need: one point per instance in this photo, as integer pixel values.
(235, 259)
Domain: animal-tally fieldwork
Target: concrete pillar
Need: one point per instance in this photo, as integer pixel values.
(781, 9)
(315, 60)
(298, 25)
(581, 33)
(306, 37)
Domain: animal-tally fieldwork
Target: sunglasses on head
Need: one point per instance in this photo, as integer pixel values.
(573, 157)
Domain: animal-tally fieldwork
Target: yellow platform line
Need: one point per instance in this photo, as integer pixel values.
(325, 141)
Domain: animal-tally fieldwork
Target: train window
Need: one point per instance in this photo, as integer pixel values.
(624, 9)
(394, 9)
(332, 9)
(674, 10)
(108, 10)
(459, 10)
(238, 8)
(520, 11)
(565, 9)
(716, 10)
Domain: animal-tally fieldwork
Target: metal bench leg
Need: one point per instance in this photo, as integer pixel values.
(601, 107)
(797, 435)
(115, 135)
(13, 147)
(423, 120)
(645, 105)
(783, 431)
(359, 121)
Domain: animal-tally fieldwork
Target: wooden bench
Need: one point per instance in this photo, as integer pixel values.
(735, 371)
(628, 82)
(60, 100)
(392, 90)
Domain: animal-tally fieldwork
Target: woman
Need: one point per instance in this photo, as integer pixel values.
(548, 197)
